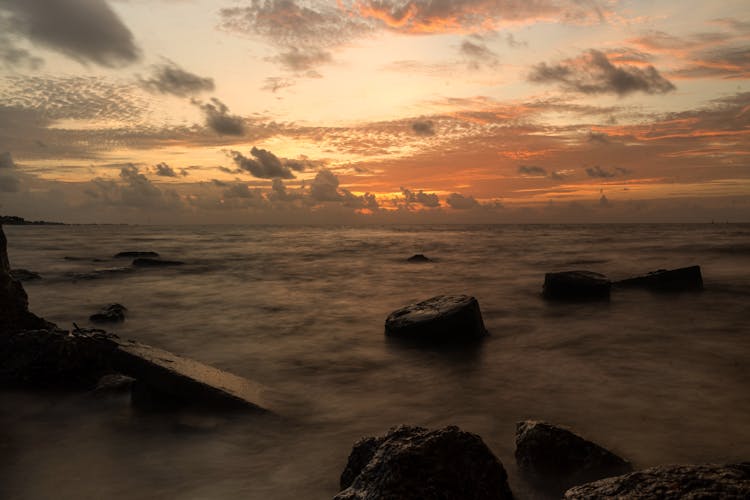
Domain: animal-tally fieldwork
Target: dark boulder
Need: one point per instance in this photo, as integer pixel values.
(663, 280)
(556, 459)
(576, 285)
(113, 313)
(14, 303)
(24, 275)
(133, 255)
(419, 258)
(672, 482)
(113, 384)
(414, 463)
(147, 262)
(439, 319)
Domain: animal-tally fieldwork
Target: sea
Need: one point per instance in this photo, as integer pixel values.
(656, 378)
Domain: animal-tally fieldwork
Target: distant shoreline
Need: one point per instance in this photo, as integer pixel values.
(11, 220)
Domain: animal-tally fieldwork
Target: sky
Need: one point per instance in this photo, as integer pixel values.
(375, 111)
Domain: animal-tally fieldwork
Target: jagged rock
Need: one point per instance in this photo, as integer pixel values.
(113, 383)
(136, 254)
(556, 458)
(575, 285)
(439, 319)
(663, 280)
(14, 303)
(672, 482)
(113, 313)
(419, 258)
(146, 262)
(24, 275)
(414, 463)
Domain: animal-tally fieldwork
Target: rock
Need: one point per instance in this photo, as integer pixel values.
(672, 482)
(575, 285)
(414, 463)
(146, 262)
(186, 380)
(663, 280)
(113, 383)
(14, 303)
(24, 275)
(442, 318)
(557, 459)
(419, 258)
(136, 254)
(113, 313)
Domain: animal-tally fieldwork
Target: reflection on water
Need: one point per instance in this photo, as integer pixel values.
(656, 378)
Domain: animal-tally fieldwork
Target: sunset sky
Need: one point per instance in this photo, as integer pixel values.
(375, 111)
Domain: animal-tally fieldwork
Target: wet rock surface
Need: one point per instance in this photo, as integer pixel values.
(148, 262)
(556, 459)
(663, 280)
(414, 463)
(672, 482)
(444, 318)
(576, 285)
(136, 254)
(113, 384)
(24, 275)
(419, 258)
(113, 313)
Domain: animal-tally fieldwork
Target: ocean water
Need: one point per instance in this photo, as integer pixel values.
(656, 378)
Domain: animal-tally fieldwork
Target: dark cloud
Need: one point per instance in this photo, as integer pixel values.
(724, 62)
(477, 53)
(86, 30)
(302, 60)
(594, 73)
(6, 160)
(275, 83)
(12, 56)
(164, 170)
(263, 164)
(168, 78)
(461, 202)
(9, 184)
(325, 187)
(423, 127)
(133, 190)
(218, 118)
(598, 137)
(430, 200)
(532, 170)
(600, 173)
(604, 201)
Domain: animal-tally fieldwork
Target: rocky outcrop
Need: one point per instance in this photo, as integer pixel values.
(113, 313)
(445, 318)
(575, 285)
(672, 482)
(414, 463)
(663, 280)
(556, 458)
(136, 254)
(148, 262)
(419, 258)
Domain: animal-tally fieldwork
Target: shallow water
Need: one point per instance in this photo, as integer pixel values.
(656, 378)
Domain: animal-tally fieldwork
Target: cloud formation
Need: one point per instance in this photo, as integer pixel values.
(429, 200)
(424, 128)
(168, 78)
(461, 202)
(532, 170)
(219, 119)
(86, 30)
(598, 172)
(302, 60)
(164, 170)
(478, 54)
(266, 165)
(593, 73)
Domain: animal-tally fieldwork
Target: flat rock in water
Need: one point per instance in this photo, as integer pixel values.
(671, 482)
(575, 285)
(24, 275)
(133, 255)
(113, 383)
(556, 458)
(419, 258)
(663, 280)
(414, 463)
(441, 318)
(193, 382)
(147, 262)
(113, 313)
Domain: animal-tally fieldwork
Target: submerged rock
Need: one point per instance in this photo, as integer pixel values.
(113, 383)
(136, 254)
(24, 275)
(147, 262)
(100, 273)
(575, 285)
(663, 280)
(557, 459)
(113, 313)
(441, 318)
(419, 258)
(672, 482)
(414, 463)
